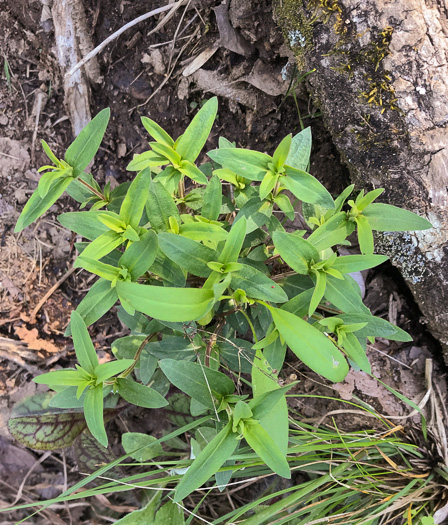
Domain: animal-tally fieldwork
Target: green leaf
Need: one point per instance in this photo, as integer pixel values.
(300, 151)
(306, 188)
(387, 218)
(166, 151)
(363, 202)
(106, 271)
(93, 412)
(37, 206)
(103, 245)
(311, 346)
(190, 144)
(252, 165)
(78, 191)
(160, 206)
(202, 231)
(267, 184)
(197, 381)
(332, 232)
(357, 263)
(167, 304)
(285, 205)
(257, 285)
(82, 150)
(145, 160)
(295, 251)
(85, 351)
(173, 347)
(237, 354)
(84, 223)
(275, 421)
(234, 242)
(191, 171)
(140, 446)
(138, 258)
(319, 291)
(282, 152)
(168, 270)
(263, 444)
(99, 300)
(356, 352)
(365, 235)
(208, 462)
(134, 203)
(256, 212)
(211, 208)
(157, 132)
(343, 296)
(189, 254)
(263, 404)
(376, 327)
(60, 377)
(107, 370)
(299, 304)
(140, 395)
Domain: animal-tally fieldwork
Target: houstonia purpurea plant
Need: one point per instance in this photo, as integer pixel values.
(213, 282)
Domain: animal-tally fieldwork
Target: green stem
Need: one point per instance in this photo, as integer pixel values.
(250, 324)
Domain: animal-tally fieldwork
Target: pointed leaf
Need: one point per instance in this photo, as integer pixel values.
(211, 208)
(138, 258)
(93, 412)
(300, 151)
(85, 351)
(357, 263)
(306, 188)
(37, 206)
(106, 271)
(99, 300)
(356, 352)
(157, 132)
(107, 370)
(267, 184)
(160, 207)
(387, 218)
(191, 255)
(191, 171)
(190, 144)
(145, 160)
(208, 462)
(295, 251)
(252, 165)
(167, 304)
(282, 152)
(141, 447)
(310, 345)
(103, 245)
(82, 150)
(197, 381)
(234, 242)
(332, 232)
(257, 438)
(134, 203)
(257, 285)
(140, 395)
(343, 296)
(319, 291)
(84, 223)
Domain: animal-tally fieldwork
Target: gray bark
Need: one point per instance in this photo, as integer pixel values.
(395, 136)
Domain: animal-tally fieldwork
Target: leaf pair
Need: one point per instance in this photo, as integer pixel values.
(77, 158)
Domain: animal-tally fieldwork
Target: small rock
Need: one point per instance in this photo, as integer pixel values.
(20, 195)
(3, 120)
(121, 150)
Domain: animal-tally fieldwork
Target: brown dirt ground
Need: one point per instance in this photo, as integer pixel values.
(133, 67)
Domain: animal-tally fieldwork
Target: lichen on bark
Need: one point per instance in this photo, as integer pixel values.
(382, 87)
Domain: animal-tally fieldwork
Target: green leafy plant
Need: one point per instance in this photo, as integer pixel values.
(213, 284)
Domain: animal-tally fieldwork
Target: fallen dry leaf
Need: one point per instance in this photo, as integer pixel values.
(31, 338)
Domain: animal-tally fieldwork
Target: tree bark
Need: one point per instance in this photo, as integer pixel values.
(381, 81)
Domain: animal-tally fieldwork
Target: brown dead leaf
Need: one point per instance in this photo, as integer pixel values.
(31, 338)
